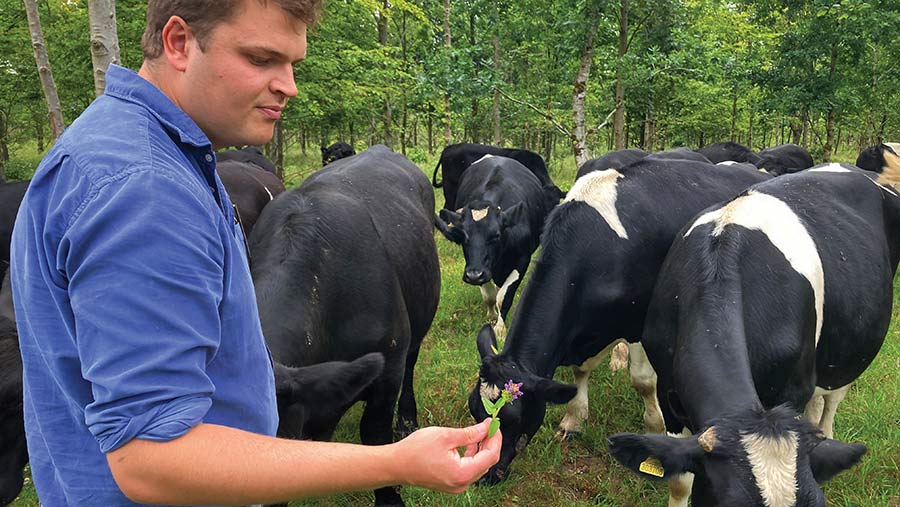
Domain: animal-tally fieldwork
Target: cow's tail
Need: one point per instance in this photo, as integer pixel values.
(434, 182)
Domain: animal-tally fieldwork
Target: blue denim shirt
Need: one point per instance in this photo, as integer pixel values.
(136, 311)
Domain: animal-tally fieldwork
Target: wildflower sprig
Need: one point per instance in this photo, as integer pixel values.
(511, 392)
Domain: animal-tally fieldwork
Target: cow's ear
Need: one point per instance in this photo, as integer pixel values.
(487, 342)
(555, 392)
(831, 457)
(335, 383)
(448, 226)
(513, 215)
(656, 457)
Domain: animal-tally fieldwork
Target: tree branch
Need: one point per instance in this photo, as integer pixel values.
(605, 122)
(546, 115)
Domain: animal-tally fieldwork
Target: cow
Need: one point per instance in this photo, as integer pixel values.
(346, 265)
(680, 153)
(612, 160)
(767, 307)
(13, 451)
(735, 152)
(784, 159)
(336, 151)
(883, 159)
(11, 195)
(250, 189)
(456, 158)
(250, 154)
(589, 289)
(498, 226)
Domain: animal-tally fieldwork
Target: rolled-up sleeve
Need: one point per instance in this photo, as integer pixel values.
(144, 263)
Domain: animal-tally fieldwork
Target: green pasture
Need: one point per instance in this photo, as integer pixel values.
(581, 473)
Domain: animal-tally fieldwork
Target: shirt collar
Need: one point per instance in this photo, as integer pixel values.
(127, 85)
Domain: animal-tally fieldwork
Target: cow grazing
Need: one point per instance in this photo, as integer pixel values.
(763, 305)
(250, 154)
(346, 265)
(590, 286)
(681, 153)
(735, 152)
(336, 151)
(784, 159)
(456, 158)
(250, 189)
(499, 226)
(612, 160)
(11, 195)
(883, 159)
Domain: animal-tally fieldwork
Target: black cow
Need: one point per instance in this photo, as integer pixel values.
(250, 189)
(11, 195)
(456, 158)
(590, 286)
(13, 451)
(336, 151)
(883, 159)
(723, 152)
(784, 159)
(763, 305)
(499, 227)
(681, 153)
(612, 160)
(250, 154)
(345, 265)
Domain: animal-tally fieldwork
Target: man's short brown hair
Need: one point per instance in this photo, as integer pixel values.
(204, 15)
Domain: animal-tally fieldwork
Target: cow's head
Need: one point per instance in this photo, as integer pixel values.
(482, 229)
(336, 151)
(321, 392)
(521, 419)
(754, 458)
(774, 165)
(13, 450)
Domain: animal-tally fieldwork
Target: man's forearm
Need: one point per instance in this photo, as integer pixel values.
(219, 465)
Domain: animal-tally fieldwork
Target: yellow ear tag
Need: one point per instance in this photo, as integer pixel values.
(494, 348)
(652, 466)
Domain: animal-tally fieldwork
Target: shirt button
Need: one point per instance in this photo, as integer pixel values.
(208, 157)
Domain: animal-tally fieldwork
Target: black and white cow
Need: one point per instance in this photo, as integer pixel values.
(768, 306)
(784, 159)
(346, 265)
(11, 195)
(590, 286)
(250, 189)
(498, 226)
(680, 153)
(336, 151)
(729, 151)
(456, 158)
(883, 159)
(612, 160)
(251, 154)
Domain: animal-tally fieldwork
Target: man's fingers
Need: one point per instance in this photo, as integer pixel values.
(470, 434)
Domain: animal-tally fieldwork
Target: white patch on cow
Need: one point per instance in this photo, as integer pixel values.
(489, 391)
(774, 464)
(479, 214)
(501, 293)
(784, 230)
(890, 173)
(830, 168)
(837, 168)
(727, 162)
(598, 190)
(680, 485)
(271, 197)
(482, 158)
(489, 296)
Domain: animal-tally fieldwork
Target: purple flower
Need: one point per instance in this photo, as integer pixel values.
(514, 389)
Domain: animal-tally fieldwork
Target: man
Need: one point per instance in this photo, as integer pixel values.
(146, 375)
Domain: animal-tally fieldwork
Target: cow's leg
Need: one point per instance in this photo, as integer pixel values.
(814, 408)
(643, 379)
(505, 296)
(679, 485)
(832, 400)
(407, 419)
(489, 296)
(375, 424)
(577, 408)
(618, 359)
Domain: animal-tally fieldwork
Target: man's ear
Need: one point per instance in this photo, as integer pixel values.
(656, 457)
(178, 41)
(831, 457)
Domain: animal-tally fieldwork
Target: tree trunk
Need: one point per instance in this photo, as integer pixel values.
(275, 149)
(383, 40)
(4, 147)
(430, 131)
(104, 40)
(579, 93)
(43, 64)
(448, 42)
(829, 118)
(495, 111)
(649, 130)
(619, 118)
(734, 97)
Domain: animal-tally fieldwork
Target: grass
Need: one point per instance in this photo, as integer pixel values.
(582, 473)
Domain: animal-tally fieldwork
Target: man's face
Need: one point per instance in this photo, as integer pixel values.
(236, 88)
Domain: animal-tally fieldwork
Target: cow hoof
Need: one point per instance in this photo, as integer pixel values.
(567, 436)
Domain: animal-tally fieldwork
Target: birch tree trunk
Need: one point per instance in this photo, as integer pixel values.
(619, 118)
(829, 121)
(579, 93)
(43, 65)
(495, 112)
(448, 135)
(388, 110)
(104, 40)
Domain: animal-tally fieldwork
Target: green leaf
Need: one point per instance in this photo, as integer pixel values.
(495, 425)
(488, 405)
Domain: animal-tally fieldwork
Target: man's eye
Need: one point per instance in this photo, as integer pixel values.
(258, 60)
